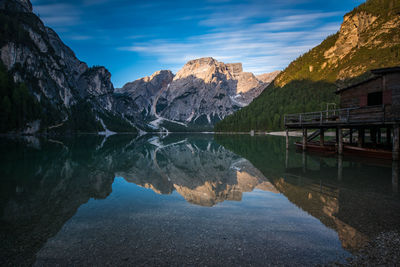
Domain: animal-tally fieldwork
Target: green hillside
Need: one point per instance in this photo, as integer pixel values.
(310, 81)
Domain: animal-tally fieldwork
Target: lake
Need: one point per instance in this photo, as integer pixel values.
(187, 200)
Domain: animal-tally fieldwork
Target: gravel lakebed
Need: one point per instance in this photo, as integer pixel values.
(384, 250)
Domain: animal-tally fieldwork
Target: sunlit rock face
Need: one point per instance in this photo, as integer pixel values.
(361, 30)
(203, 92)
(268, 77)
(349, 35)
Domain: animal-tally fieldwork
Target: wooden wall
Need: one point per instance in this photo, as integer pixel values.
(358, 95)
(388, 84)
(392, 83)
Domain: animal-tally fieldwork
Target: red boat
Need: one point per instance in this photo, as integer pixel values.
(327, 148)
(368, 152)
(348, 149)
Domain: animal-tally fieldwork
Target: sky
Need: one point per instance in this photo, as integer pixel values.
(133, 39)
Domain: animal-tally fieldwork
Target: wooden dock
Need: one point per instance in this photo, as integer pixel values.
(352, 124)
(372, 106)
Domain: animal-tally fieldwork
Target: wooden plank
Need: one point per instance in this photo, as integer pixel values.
(322, 137)
(287, 138)
(340, 140)
(396, 142)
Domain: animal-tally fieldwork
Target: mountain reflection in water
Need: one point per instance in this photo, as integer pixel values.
(48, 186)
(200, 170)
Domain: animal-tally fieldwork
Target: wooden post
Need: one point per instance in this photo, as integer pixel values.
(396, 142)
(287, 159)
(351, 136)
(322, 137)
(340, 137)
(287, 138)
(372, 132)
(388, 136)
(304, 159)
(304, 139)
(361, 137)
(320, 118)
(379, 133)
(337, 136)
(395, 176)
(340, 167)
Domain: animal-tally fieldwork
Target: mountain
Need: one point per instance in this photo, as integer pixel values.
(140, 95)
(203, 92)
(44, 87)
(368, 38)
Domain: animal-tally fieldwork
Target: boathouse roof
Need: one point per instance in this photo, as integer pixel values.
(386, 70)
(377, 74)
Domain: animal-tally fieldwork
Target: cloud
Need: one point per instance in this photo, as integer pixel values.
(95, 2)
(295, 21)
(59, 14)
(261, 47)
(218, 1)
(80, 37)
(264, 35)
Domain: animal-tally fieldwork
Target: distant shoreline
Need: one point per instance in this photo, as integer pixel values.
(283, 133)
(295, 133)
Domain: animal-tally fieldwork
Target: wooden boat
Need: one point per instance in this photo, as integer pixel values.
(367, 152)
(330, 148)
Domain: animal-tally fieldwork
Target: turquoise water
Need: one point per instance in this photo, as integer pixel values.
(187, 200)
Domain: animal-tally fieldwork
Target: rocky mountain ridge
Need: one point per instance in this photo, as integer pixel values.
(203, 92)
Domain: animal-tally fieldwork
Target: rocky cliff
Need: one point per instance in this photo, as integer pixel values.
(140, 95)
(203, 92)
(62, 85)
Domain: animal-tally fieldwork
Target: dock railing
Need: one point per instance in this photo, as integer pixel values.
(337, 116)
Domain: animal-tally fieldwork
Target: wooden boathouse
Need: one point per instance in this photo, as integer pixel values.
(370, 109)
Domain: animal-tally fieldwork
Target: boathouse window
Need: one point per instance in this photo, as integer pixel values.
(375, 99)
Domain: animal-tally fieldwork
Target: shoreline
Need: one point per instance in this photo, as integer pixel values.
(297, 133)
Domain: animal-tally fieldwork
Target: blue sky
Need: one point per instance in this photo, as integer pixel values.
(133, 38)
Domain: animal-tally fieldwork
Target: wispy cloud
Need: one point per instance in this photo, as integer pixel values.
(80, 37)
(59, 14)
(134, 38)
(95, 2)
(261, 47)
